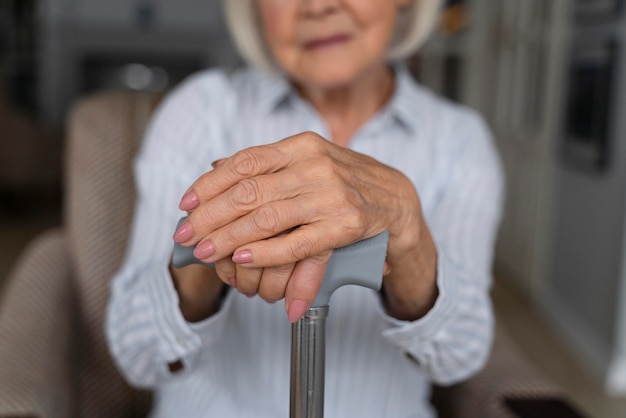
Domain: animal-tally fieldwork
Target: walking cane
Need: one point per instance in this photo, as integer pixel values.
(361, 264)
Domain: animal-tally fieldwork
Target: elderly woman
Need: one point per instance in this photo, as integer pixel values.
(325, 141)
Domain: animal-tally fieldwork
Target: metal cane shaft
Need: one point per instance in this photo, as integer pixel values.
(308, 352)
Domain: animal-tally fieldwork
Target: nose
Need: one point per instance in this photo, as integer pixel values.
(319, 8)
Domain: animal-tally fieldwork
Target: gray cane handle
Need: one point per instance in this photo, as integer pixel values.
(361, 263)
(183, 256)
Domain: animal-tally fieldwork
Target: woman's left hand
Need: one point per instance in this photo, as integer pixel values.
(325, 196)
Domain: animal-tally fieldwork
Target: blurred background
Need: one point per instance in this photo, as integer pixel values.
(548, 75)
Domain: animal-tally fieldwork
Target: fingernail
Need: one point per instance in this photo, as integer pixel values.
(297, 308)
(204, 250)
(249, 295)
(189, 201)
(232, 282)
(218, 163)
(242, 257)
(184, 233)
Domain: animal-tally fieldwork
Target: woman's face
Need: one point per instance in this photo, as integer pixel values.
(328, 43)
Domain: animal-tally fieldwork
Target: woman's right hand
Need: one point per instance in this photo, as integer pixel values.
(200, 288)
(272, 280)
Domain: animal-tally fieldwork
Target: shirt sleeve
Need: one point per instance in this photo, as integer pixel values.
(144, 326)
(453, 340)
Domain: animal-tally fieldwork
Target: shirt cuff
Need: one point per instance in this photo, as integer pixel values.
(407, 334)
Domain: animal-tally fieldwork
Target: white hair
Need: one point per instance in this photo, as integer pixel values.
(414, 25)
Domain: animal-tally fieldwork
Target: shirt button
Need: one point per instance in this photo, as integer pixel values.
(175, 366)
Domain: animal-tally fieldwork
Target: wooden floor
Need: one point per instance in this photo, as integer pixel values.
(551, 356)
(524, 325)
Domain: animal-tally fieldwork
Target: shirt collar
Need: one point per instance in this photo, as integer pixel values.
(404, 105)
(274, 89)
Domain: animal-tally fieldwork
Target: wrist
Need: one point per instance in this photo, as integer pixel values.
(410, 290)
(200, 291)
(405, 223)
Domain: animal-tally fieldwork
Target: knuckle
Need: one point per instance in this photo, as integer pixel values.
(353, 219)
(200, 219)
(274, 282)
(267, 220)
(225, 269)
(353, 225)
(351, 204)
(354, 203)
(301, 248)
(310, 140)
(360, 220)
(271, 294)
(248, 279)
(247, 192)
(327, 167)
(246, 162)
(229, 237)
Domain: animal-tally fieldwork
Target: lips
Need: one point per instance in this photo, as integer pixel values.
(326, 42)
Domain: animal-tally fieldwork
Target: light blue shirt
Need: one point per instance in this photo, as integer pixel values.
(236, 363)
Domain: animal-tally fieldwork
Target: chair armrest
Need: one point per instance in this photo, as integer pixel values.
(507, 375)
(37, 311)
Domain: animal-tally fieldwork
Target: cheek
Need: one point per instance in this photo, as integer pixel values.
(380, 36)
(383, 29)
(377, 18)
(276, 22)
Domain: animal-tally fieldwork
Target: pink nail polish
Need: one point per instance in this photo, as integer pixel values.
(204, 250)
(297, 309)
(242, 257)
(232, 282)
(184, 233)
(189, 201)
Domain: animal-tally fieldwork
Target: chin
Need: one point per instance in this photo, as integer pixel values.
(329, 78)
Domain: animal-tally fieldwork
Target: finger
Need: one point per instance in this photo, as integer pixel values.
(306, 241)
(252, 162)
(239, 200)
(267, 221)
(304, 284)
(227, 271)
(386, 269)
(251, 193)
(244, 164)
(274, 282)
(218, 162)
(248, 280)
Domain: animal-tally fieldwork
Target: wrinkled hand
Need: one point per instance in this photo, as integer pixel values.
(281, 209)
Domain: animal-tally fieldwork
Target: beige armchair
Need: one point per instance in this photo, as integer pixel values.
(54, 359)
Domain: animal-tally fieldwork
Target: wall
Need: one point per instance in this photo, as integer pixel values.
(586, 297)
(167, 13)
(163, 33)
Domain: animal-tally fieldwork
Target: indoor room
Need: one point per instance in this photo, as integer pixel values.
(80, 80)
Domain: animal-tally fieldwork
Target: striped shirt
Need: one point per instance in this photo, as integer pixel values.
(236, 363)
